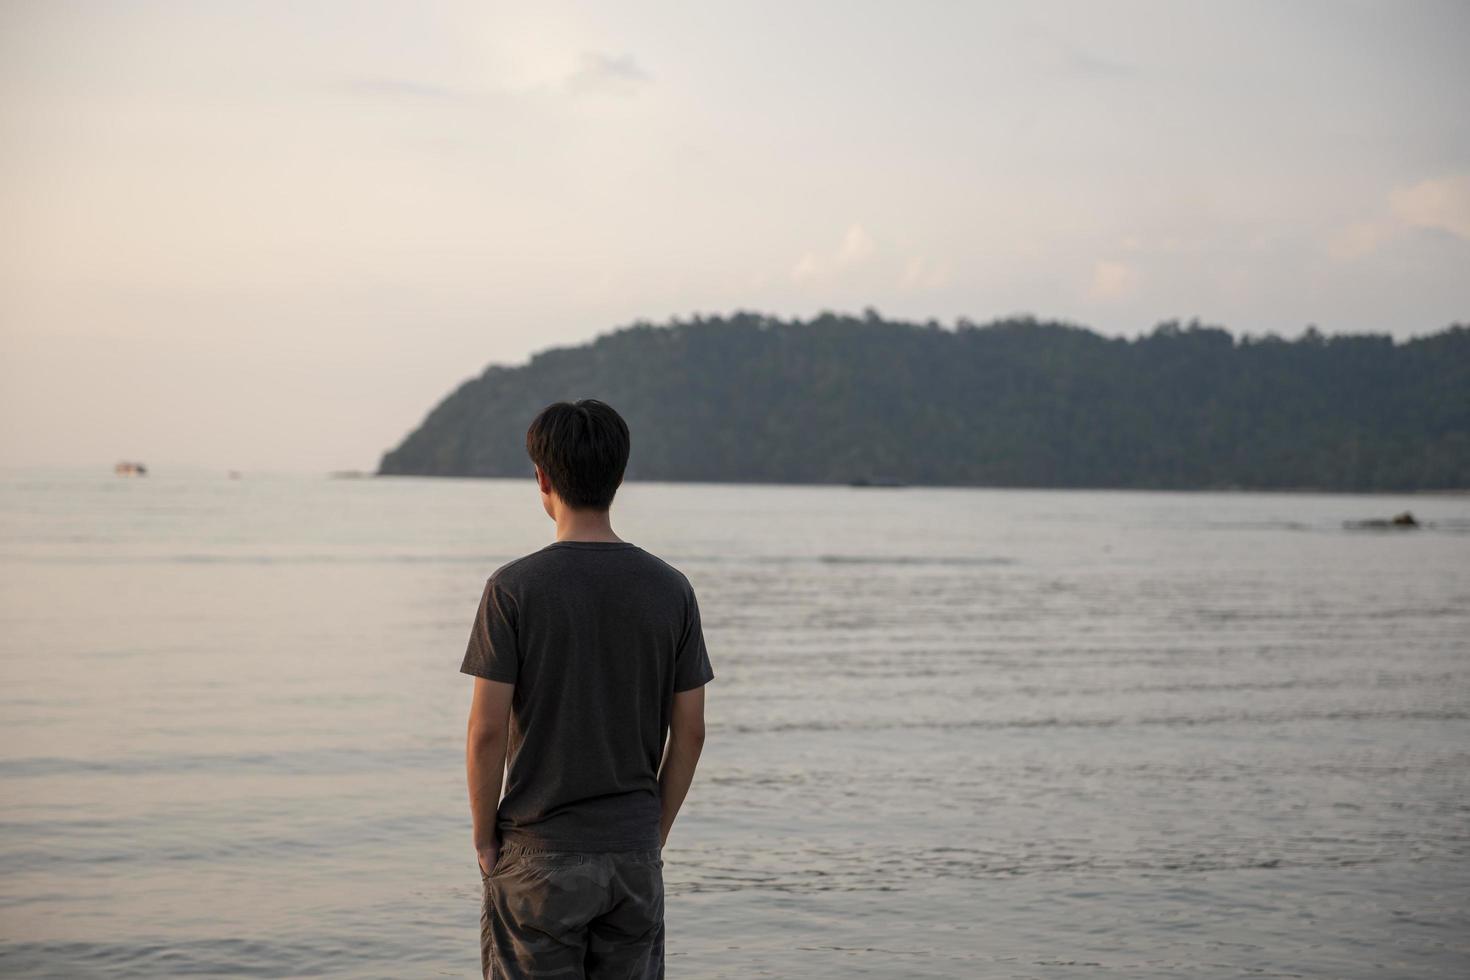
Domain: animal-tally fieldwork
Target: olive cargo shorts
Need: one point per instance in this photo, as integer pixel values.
(573, 914)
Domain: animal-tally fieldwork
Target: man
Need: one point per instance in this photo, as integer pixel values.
(586, 654)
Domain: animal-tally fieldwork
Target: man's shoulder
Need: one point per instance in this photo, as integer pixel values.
(509, 573)
(668, 570)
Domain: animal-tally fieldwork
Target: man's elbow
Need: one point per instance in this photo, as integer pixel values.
(483, 737)
(690, 735)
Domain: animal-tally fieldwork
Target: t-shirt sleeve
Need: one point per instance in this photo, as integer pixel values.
(493, 652)
(691, 661)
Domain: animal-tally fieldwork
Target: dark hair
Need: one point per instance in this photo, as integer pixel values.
(582, 447)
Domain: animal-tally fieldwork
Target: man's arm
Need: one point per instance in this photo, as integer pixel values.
(485, 763)
(681, 755)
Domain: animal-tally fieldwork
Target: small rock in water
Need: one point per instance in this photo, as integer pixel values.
(1405, 519)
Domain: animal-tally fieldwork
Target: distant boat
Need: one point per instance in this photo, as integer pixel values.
(234, 474)
(348, 475)
(876, 481)
(130, 468)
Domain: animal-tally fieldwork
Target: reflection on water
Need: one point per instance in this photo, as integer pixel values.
(954, 732)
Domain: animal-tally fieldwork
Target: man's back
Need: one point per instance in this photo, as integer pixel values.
(597, 637)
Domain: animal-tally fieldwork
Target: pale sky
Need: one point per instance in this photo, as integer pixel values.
(272, 235)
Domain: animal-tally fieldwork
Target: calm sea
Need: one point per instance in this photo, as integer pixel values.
(954, 733)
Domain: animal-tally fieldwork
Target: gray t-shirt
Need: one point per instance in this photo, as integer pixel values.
(596, 636)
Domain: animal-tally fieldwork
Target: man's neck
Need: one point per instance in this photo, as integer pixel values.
(583, 527)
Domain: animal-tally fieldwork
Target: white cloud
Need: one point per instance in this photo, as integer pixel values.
(805, 269)
(855, 249)
(591, 72)
(1441, 202)
(386, 87)
(857, 245)
(1111, 280)
(922, 273)
(599, 72)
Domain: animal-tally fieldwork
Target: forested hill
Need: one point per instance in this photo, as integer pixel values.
(1011, 403)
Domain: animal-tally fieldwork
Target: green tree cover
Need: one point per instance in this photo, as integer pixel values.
(750, 398)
